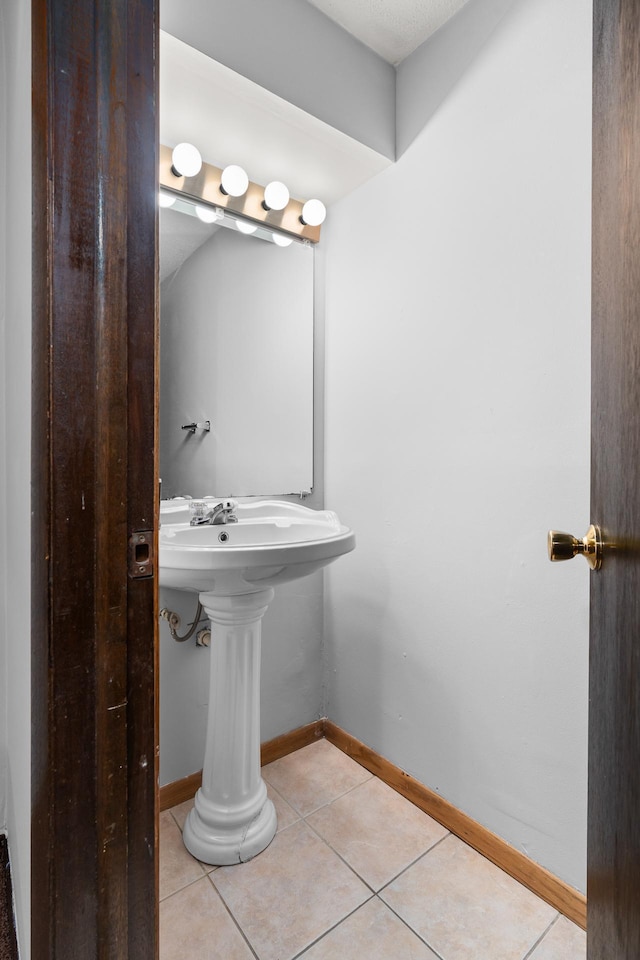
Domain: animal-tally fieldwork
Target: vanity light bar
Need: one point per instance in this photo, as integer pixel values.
(206, 184)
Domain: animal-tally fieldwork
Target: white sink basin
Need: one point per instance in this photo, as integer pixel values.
(272, 542)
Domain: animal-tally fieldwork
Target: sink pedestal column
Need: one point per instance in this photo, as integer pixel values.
(232, 819)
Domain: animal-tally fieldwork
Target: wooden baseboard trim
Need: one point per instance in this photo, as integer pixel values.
(290, 742)
(180, 790)
(544, 884)
(171, 794)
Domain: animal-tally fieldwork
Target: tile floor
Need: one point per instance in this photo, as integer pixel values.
(355, 872)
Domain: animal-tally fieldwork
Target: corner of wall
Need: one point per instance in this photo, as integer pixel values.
(426, 77)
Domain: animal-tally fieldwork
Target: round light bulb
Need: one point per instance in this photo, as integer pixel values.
(276, 196)
(207, 214)
(234, 181)
(282, 241)
(245, 227)
(186, 160)
(313, 213)
(166, 199)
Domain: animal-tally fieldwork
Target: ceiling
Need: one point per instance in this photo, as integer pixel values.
(392, 28)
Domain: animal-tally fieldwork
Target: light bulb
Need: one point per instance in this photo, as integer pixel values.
(281, 240)
(234, 181)
(207, 214)
(166, 199)
(186, 160)
(276, 196)
(245, 227)
(313, 213)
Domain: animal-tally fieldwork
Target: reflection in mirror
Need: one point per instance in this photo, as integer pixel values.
(236, 307)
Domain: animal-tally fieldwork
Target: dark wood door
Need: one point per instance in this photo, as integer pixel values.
(613, 891)
(94, 732)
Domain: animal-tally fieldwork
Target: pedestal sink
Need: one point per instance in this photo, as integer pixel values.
(233, 567)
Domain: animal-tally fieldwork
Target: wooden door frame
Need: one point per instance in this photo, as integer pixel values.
(94, 480)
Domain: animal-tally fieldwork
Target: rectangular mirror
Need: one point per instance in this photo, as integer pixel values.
(236, 350)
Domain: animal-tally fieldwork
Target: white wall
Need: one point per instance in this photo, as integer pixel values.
(15, 432)
(457, 432)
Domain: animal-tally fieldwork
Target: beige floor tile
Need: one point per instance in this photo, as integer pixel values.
(181, 812)
(565, 941)
(290, 894)
(284, 812)
(373, 932)
(313, 776)
(194, 925)
(376, 831)
(177, 866)
(463, 906)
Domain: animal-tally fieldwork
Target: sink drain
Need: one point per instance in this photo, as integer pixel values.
(223, 537)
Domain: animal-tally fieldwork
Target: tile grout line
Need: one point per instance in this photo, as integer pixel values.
(173, 817)
(304, 819)
(353, 869)
(189, 882)
(535, 946)
(334, 927)
(340, 857)
(185, 887)
(208, 875)
(280, 795)
(375, 893)
(303, 816)
(409, 927)
(529, 952)
(417, 860)
(395, 913)
(300, 819)
(228, 909)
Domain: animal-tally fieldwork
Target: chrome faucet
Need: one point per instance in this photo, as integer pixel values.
(203, 512)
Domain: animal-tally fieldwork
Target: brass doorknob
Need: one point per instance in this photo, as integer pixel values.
(563, 546)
